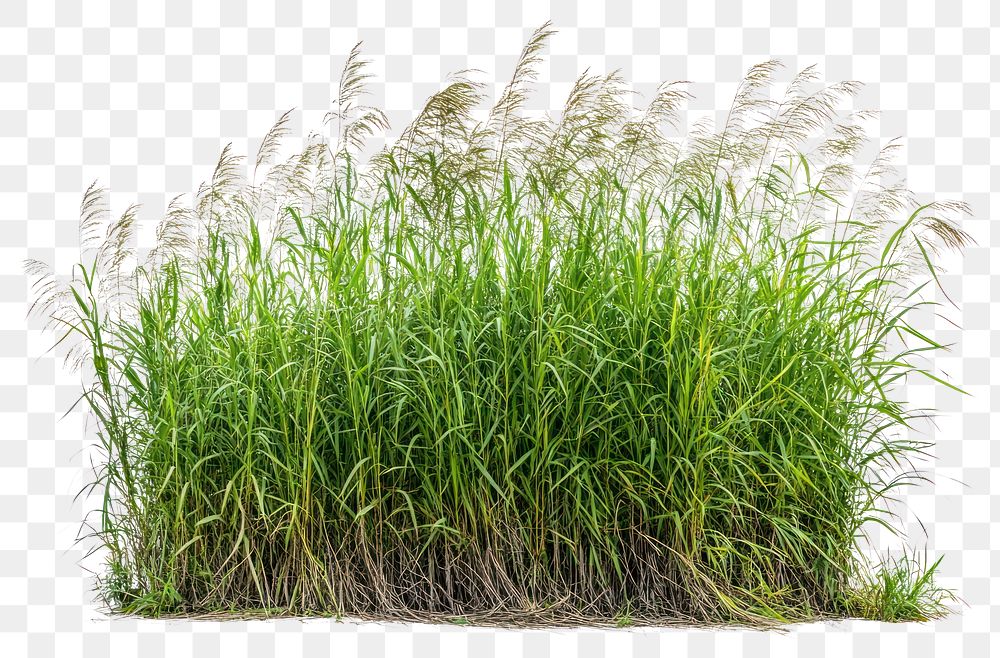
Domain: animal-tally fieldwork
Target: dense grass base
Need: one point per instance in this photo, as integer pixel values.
(514, 370)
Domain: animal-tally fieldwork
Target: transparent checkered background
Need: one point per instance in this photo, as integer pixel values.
(144, 98)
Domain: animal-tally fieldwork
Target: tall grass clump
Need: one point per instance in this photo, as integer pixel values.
(512, 367)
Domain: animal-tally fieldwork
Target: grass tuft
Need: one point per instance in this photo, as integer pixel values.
(512, 368)
(903, 589)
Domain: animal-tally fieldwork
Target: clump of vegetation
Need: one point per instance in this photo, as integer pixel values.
(514, 368)
(902, 589)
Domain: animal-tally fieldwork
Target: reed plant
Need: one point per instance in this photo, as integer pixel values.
(513, 368)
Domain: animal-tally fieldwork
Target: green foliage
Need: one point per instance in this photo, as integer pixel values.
(514, 366)
(902, 590)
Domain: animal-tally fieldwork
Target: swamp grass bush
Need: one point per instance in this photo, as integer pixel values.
(515, 368)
